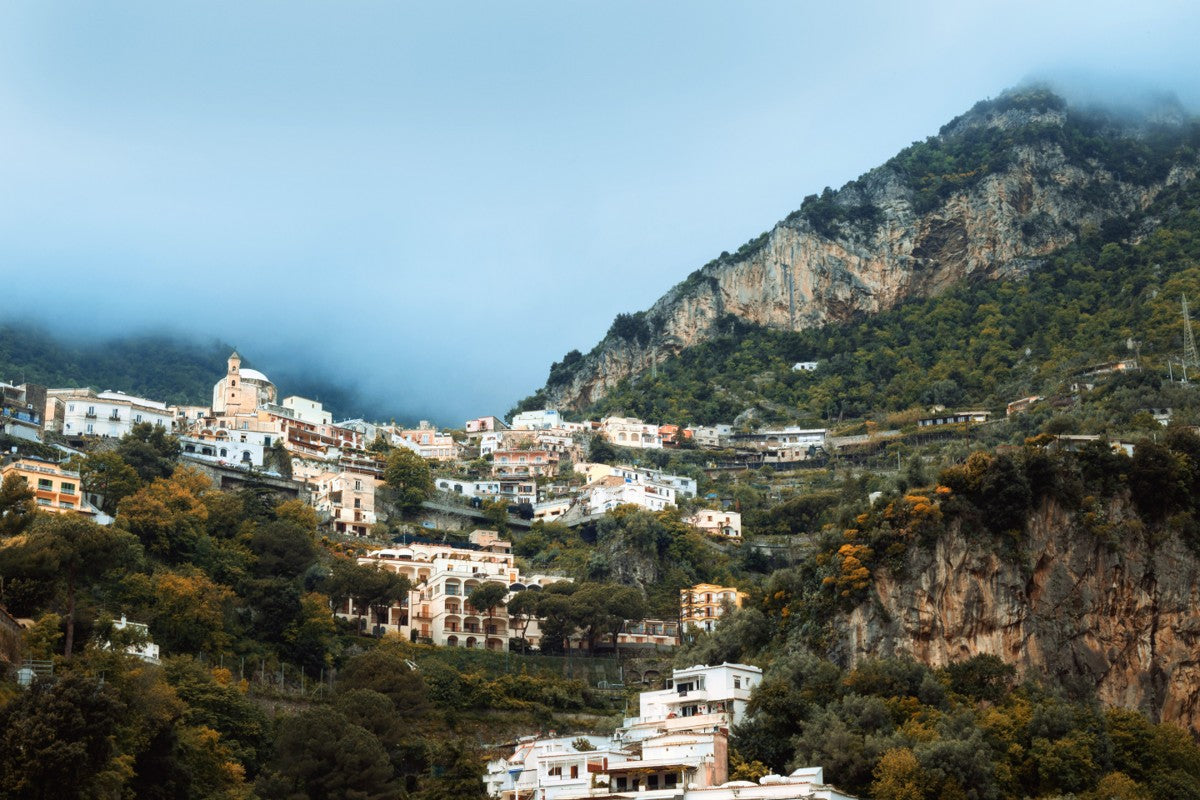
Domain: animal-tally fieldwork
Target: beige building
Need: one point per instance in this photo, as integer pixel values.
(241, 391)
(443, 577)
(630, 432)
(703, 604)
(727, 524)
(348, 498)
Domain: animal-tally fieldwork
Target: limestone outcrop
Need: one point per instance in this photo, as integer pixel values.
(1121, 617)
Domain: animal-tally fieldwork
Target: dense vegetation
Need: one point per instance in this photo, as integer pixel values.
(896, 729)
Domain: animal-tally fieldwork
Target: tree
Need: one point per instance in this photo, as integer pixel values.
(601, 451)
(385, 669)
(17, 505)
(68, 549)
(523, 608)
(898, 776)
(368, 586)
(410, 478)
(106, 474)
(487, 596)
(65, 727)
(150, 450)
(168, 515)
(190, 612)
(321, 755)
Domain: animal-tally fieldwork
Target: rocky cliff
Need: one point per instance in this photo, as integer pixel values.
(1120, 615)
(997, 189)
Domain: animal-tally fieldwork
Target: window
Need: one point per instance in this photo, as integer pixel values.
(67, 488)
(574, 770)
(357, 503)
(138, 418)
(45, 485)
(737, 682)
(70, 406)
(89, 428)
(555, 771)
(358, 486)
(43, 501)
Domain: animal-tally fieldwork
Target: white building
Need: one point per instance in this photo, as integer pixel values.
(111, 414)
(305, 410)
(631, 432)
(680, 483)
(676, 750)
(542, 419)
(143, 648)
(248, 452)
(717, 523)
(604, 495)
(804, 366)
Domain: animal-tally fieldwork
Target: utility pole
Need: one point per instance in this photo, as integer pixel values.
(1190, 357)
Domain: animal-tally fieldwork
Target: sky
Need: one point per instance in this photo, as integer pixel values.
(432, 202)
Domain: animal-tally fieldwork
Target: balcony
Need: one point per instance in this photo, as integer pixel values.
(90, 415)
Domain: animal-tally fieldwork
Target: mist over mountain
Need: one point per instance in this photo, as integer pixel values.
(171, 367)
(991, 196)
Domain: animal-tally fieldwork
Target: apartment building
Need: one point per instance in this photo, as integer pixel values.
(604, 495)
(109, 414)
(21, 410)
(700, 606)
(677, 749)
(424, 440)
(443, 577)
(524, 463)
(347, 500)
(56, 489)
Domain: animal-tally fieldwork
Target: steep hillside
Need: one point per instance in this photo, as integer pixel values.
(990, 196)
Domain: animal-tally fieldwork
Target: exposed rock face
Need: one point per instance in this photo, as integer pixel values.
(1123, 619)
(800, 277)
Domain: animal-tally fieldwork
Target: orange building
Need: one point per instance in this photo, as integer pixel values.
(56, 489)
(702, 605)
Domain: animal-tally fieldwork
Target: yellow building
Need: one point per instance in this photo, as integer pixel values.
(701, 605)
(55, 488)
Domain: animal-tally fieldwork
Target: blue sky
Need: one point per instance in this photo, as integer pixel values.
(434, 201)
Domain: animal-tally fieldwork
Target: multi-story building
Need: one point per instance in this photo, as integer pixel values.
(604, 495)
(678, 749)
(348, 498)
(21, 409)
(542, 419)
(443, 577)
(110, 414)
(700, 606)
(782, 445)
(713, 437)
(680, 483)
(424, 440)
(631, 432)
(524, 463)
(727, 524)
(56, 489)
(306, 410)
(485, 425)
(239, 448)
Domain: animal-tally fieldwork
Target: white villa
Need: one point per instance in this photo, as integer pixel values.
(678, 749)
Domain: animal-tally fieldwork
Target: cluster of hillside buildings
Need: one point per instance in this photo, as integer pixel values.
(677, 747)
(538, 461)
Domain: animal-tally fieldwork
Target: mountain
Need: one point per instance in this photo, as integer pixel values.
(998, 190)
